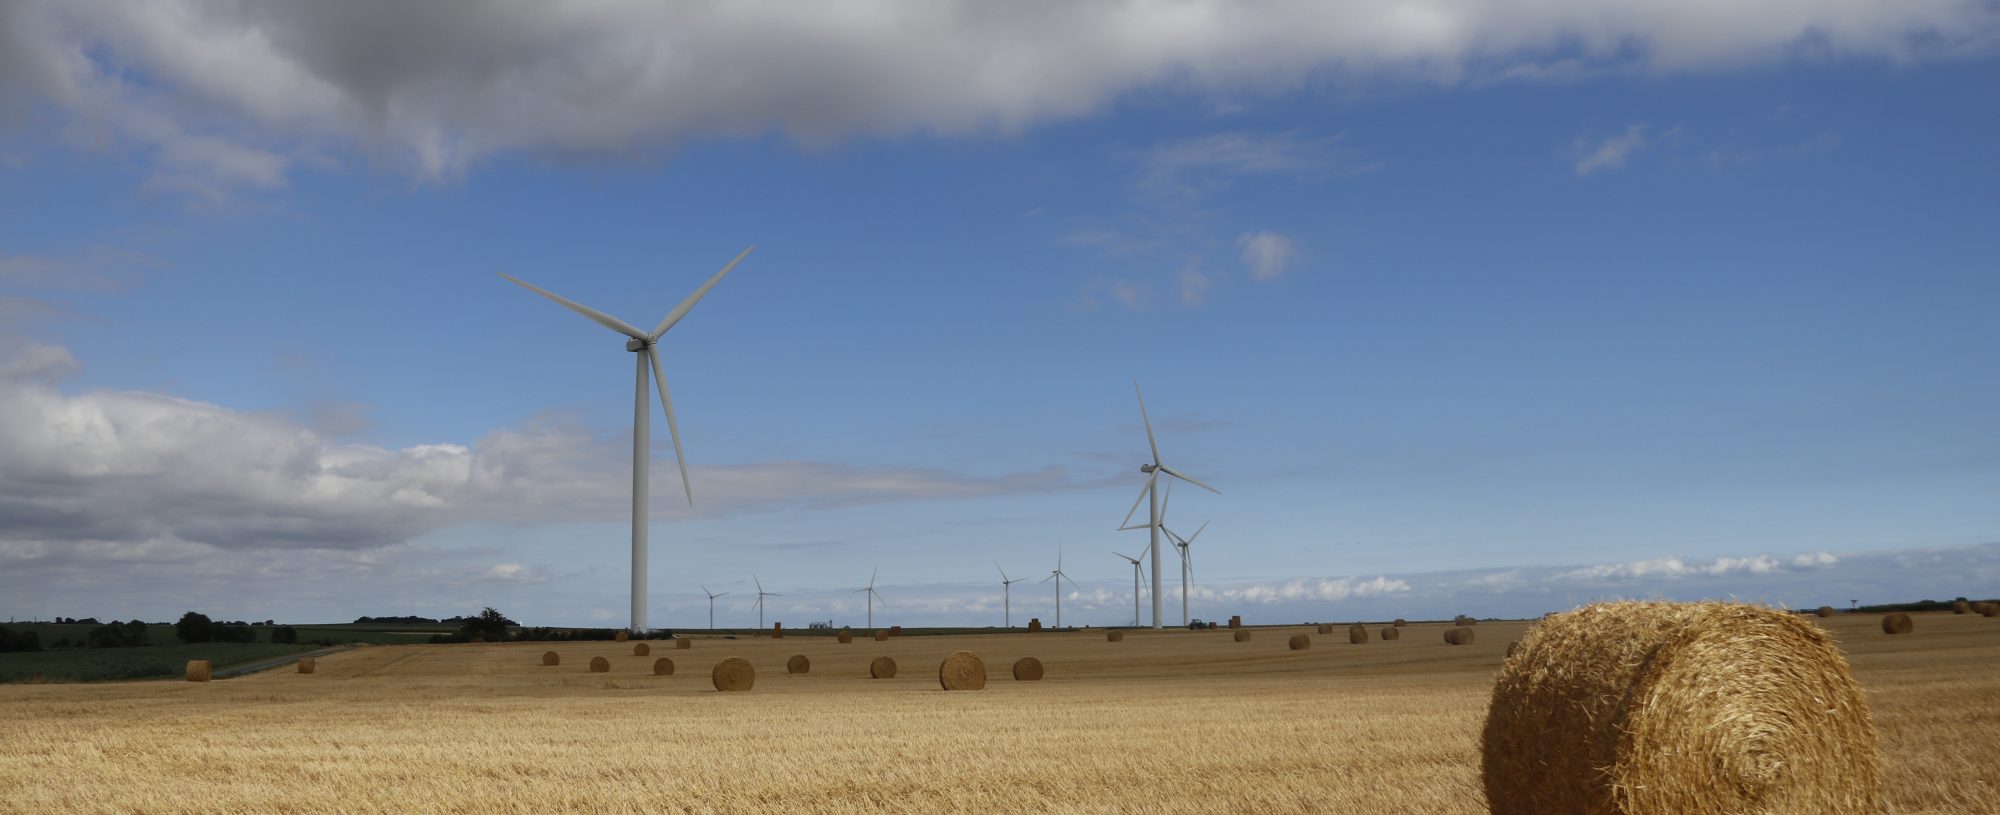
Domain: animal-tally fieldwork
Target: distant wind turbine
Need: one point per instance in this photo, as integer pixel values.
(1185, 545)
(761, 594)
(1007, 595)
(643, 344)
(1136, 570)
(1059, 577)
(1151, 490)
(872, 596)
(711, 606)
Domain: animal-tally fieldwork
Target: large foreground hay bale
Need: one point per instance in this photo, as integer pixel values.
(683, 644)
(1458, 636)
(881, 636)
(663, 667)
(882, 668)
(1357, 634)
(1667, 708)
(1324, 629)
(963, 670)
(197, 670)
(1896, 623)
(798, 664)
(845, 636)
(600, 665)
(307, 665)
(641, 649)
(1399, 623)
(1825, 611)
(733, 674)
(1391, 633)
(1299, 642)
(1027, 669)
(621, 636)
(1242, 635)
(1114, 635)
(551, 659)
(1961, 607)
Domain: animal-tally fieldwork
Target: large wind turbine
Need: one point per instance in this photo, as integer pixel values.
(1135, 586)
(1151, 491)
(761, 594)
(872, 596)
(1059, 577)
(1007, 595)
(711, 606)
(643, 343)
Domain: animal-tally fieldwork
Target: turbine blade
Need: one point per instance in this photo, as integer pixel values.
(595, 316)
(1143, 492)
(1072, 583)
(760, 583)
(1149, 421)
(857, 591)
(1166, 497)
(1052, 576)
(1177, 474)
(688, 304)
(1197, 533)
(1003, 572)
(704, 589)
(724, 594)
(673, 426)
(872, 576)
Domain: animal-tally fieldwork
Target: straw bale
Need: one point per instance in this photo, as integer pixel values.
(1035, 624)
(1825, 611)
(1391, 633)
(1299, 642)
(307, 665)
(881, 635)
(777, 631)
(1649, 708)
(1458, 636)
(1324, 629)
(882, 668)
(1961, 607)
(1027, 669)
(551, 659)
(599, 665)
(1357, 634)
(845, 636)
(1896, 623)
(1513, 648)
(683, 644)
(798, 664)
(663, 667)
(1991, 610)
(197, 670)
(963, 670)
(733, 674)
(641, 649)
(1242, 635)
(1400, 623)
(621, 636)
(1114, 635)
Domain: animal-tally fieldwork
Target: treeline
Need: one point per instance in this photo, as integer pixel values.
(1920, 605)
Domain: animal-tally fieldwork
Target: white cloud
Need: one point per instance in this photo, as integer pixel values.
(1267, 253)
(1194, 285)
(1610, 153)
(1676, 567)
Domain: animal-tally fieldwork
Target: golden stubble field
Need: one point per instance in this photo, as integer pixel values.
(1174, 721)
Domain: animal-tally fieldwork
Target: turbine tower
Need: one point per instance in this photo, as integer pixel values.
(1059, 577)
(1151, 491)
(761, 594)
(711, 606)
(642, 344)
(872, 596)
(1135, 586)
(1007, 595)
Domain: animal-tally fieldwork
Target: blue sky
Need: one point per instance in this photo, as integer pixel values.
(1493, 316)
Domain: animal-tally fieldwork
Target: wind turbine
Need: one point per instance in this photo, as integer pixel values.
(1135, 586)
(1059, 577)
(1151, 490)
(1007, 595)
(872, 596)
(761, 594)
(1187, 561)
(642, 344)
(711, 606)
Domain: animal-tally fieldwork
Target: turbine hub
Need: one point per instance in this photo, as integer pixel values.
(1148, 468)
(636, 345)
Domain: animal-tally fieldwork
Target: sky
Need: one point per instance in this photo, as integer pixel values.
(1464, 307)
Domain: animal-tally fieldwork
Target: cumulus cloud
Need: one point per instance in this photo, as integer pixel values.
(1610, 153)
(224, 94)
(1267, 253)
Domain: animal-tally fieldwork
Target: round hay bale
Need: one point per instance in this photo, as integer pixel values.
(600, 665)
(1825, 611)
(1242, 635)
(733, 674)
(1458, 636)
(963, 670)
(622, 636)
(641, 649)
(1324, 629)
(683, 644)
(1961, 607)
(881, 636)
(1027, 669)
(798, 664)
(846, 636)
(1299, 642)
(307, 665)
(1399, 623)
(551, 659)
(663, 667)
(1991, 610)
(1357, 634)
(1391, 633)
(197, 670)
(1114, 636)
(1656, 708)
(882, 668)
(1896, 623)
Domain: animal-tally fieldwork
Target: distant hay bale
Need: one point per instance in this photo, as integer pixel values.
(1324, 629)
(1896, 623)
(663, 667)
(551, 659)
(1391, 633)
(1463, 621)
(1235, 621)
(1657, 708)
(683, 644)
(197, 670)
(882, 668)
(1458, 636)
(307, 665)
(1399, 623)
(1034, 624)
(845, 636)
(641, 649)
(1991, 610)
(1357, 634)
(733, 674)
(1961, 607)
(1299, 642)
(1825, 611)
(1027, 669)
(600, 665)
(1242, 635)
(798, 664)
(895, 631)
(1114, 635)
(777, 631)
(881, 636)
(621, 636)
(963, 670)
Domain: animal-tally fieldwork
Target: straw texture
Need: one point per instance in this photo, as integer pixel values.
(733, 674)
(1027, 669)
(963, 670)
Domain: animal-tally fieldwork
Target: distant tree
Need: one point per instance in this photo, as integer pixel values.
(16, 641)
(490, 624)
(235, 632)
(285, 634)
(194, 627)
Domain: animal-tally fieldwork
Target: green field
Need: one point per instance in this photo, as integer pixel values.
(146, 662)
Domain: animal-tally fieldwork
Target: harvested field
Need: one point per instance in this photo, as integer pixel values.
(384, 729)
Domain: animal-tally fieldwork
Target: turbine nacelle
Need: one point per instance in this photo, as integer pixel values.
(1148, 468)
(638, 345)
